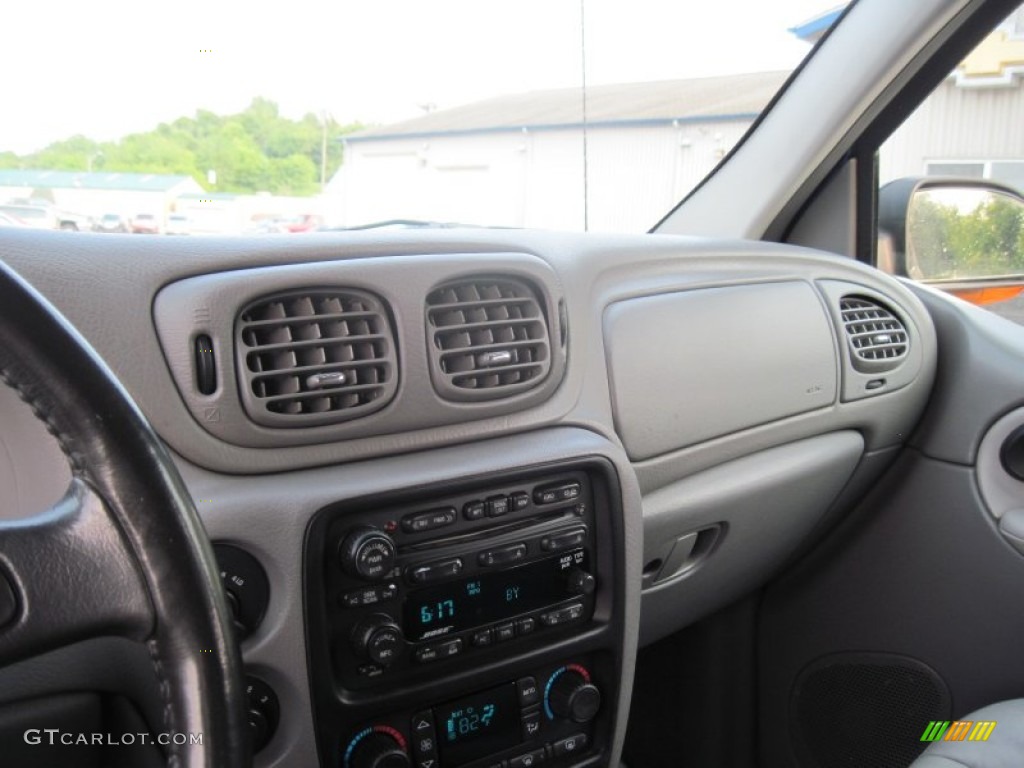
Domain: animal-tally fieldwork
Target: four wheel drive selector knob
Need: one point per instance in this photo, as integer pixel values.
(570, 695)
(367, 553)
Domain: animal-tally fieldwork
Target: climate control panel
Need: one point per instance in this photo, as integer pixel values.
(538, 719)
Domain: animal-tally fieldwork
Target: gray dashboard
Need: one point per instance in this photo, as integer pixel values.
(717, 377)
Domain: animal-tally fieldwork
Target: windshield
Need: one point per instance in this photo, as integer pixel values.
(591, 114)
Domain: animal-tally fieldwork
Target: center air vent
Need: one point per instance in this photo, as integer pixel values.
(488, 338)
(878, 339)
(315, 357)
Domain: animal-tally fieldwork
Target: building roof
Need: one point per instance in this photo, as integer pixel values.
(136, 182)
(697, 100)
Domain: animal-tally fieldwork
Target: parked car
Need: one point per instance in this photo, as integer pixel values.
(145, 224)
(60, 218)
(178, 224)
(35, 216)
(111, 222)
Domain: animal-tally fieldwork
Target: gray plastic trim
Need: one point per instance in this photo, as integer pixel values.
(594, 270)
(687, 367)
(979, 380)
(268, 516)
(856, 383)
(210, 305)
(814, 119)
(765, 503)
(1001, 491)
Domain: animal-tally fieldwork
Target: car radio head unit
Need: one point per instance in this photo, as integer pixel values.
(439, 622)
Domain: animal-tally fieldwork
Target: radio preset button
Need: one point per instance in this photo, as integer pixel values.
(422, 574)
(370, 670)
(525, 626)
(574, 538)
(430, 520)
(439, 651)
(483, 638)
(474, 510)
(497, 506)
(504, 632)
(520, 501)
(427, 654)
(529, 693)
(562, 615)
(369, 596)
(552, 494)
(501, 556)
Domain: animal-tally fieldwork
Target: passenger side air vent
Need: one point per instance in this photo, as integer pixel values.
(488, 338)
(878, 340)
(315, 357)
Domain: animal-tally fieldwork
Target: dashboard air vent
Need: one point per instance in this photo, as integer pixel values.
(878, 339)
(315, 357)
(488, 338)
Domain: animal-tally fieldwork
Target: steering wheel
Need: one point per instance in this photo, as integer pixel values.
(123, 553)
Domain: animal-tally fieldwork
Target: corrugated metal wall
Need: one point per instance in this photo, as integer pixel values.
(532, 178)
(636, 173)
(958, 123)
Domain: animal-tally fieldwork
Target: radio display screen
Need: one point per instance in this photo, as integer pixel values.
(478, 725)
(484, 598)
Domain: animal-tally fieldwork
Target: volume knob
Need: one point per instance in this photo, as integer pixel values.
(367, 554)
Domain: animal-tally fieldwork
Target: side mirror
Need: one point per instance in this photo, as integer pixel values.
(949, 229)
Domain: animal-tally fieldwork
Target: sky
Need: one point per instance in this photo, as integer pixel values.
(107, 69)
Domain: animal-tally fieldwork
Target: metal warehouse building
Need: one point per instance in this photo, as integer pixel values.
(518, 160)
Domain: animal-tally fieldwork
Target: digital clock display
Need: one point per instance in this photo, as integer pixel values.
(478, 725)
(456, 605)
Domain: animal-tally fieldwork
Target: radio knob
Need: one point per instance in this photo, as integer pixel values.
(573, 697)
(378, 750)
(580, 582)
(367, 554)
(379, 639)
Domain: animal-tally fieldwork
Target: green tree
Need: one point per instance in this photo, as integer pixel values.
(257, 149)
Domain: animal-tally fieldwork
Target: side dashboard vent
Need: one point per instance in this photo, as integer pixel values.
(878, 339)
(488, 338)
(315, 357)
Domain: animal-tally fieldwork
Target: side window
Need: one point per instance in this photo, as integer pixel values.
(951, 197)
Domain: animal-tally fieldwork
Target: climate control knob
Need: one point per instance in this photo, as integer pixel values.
(367, 553)
(379, 747)
(379, 639)
(571, 695)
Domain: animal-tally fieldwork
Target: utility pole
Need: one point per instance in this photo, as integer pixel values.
(323, 150)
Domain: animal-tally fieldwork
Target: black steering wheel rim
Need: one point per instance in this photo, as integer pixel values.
(124, 552)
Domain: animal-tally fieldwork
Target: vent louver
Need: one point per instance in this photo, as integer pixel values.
(878, 339)
(488, 338)
(315, 357)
